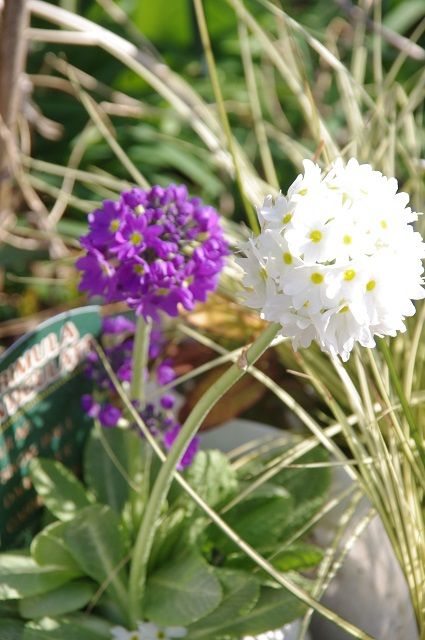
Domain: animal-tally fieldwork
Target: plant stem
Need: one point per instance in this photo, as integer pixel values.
(137, 393)
(159, 492)
(140, 360)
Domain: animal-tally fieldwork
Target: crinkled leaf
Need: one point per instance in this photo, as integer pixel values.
(64, 599)
(181, 592)
(50, 547)
(258, 520)
(97, 542)
(61, 491)
(212, 477)
(240, 593)
(21, 576)
(308, 487)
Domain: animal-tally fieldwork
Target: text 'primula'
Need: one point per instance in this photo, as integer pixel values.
(337, 260)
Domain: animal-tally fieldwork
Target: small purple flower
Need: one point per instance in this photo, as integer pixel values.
(118, 324)
(170, 436)
(89, 406)
(157, 249)
(109, 415)
(165, 372)
(99, 276)
(167, 401)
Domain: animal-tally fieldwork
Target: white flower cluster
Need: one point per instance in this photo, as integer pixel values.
(337, 260)
(148, 631)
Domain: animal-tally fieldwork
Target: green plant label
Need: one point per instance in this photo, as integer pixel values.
(41, 384)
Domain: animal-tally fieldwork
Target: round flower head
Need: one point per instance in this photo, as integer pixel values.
(154, 249)
(337, 260)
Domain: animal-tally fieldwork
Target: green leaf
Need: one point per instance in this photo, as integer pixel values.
(50, 547)
(240, 593)
(62, 493)
(8, 608)
(65, 599)
(106, 463)
(169, 537)
(76, 627)
(275, 608)
(306, 484)
(182, 592)
(212, 477)
(297, 557)
(258, 520)
(96, 541)
(11, 629)
(21, 576)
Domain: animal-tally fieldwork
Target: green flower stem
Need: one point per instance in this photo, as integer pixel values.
(137, 392)
(407, 410)
(160, 489)
(140, 360)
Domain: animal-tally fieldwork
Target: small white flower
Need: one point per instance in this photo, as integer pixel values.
(119, 633)
(337, 261)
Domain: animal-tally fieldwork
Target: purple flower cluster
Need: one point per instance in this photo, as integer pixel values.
(118, 339)
(154, 249)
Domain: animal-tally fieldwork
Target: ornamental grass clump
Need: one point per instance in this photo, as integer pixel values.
(337, 260)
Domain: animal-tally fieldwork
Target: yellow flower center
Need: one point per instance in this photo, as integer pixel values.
(384, 224)
(287, 218)
(139, 210)
(316, 278)
(303, 192)
(316, 236)
(371, 285)
(347, 239)
(306, 304)
(344, 309)
(136, 238)
(138, 268)
(349, 274)
(115, 225)
(287, 258)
